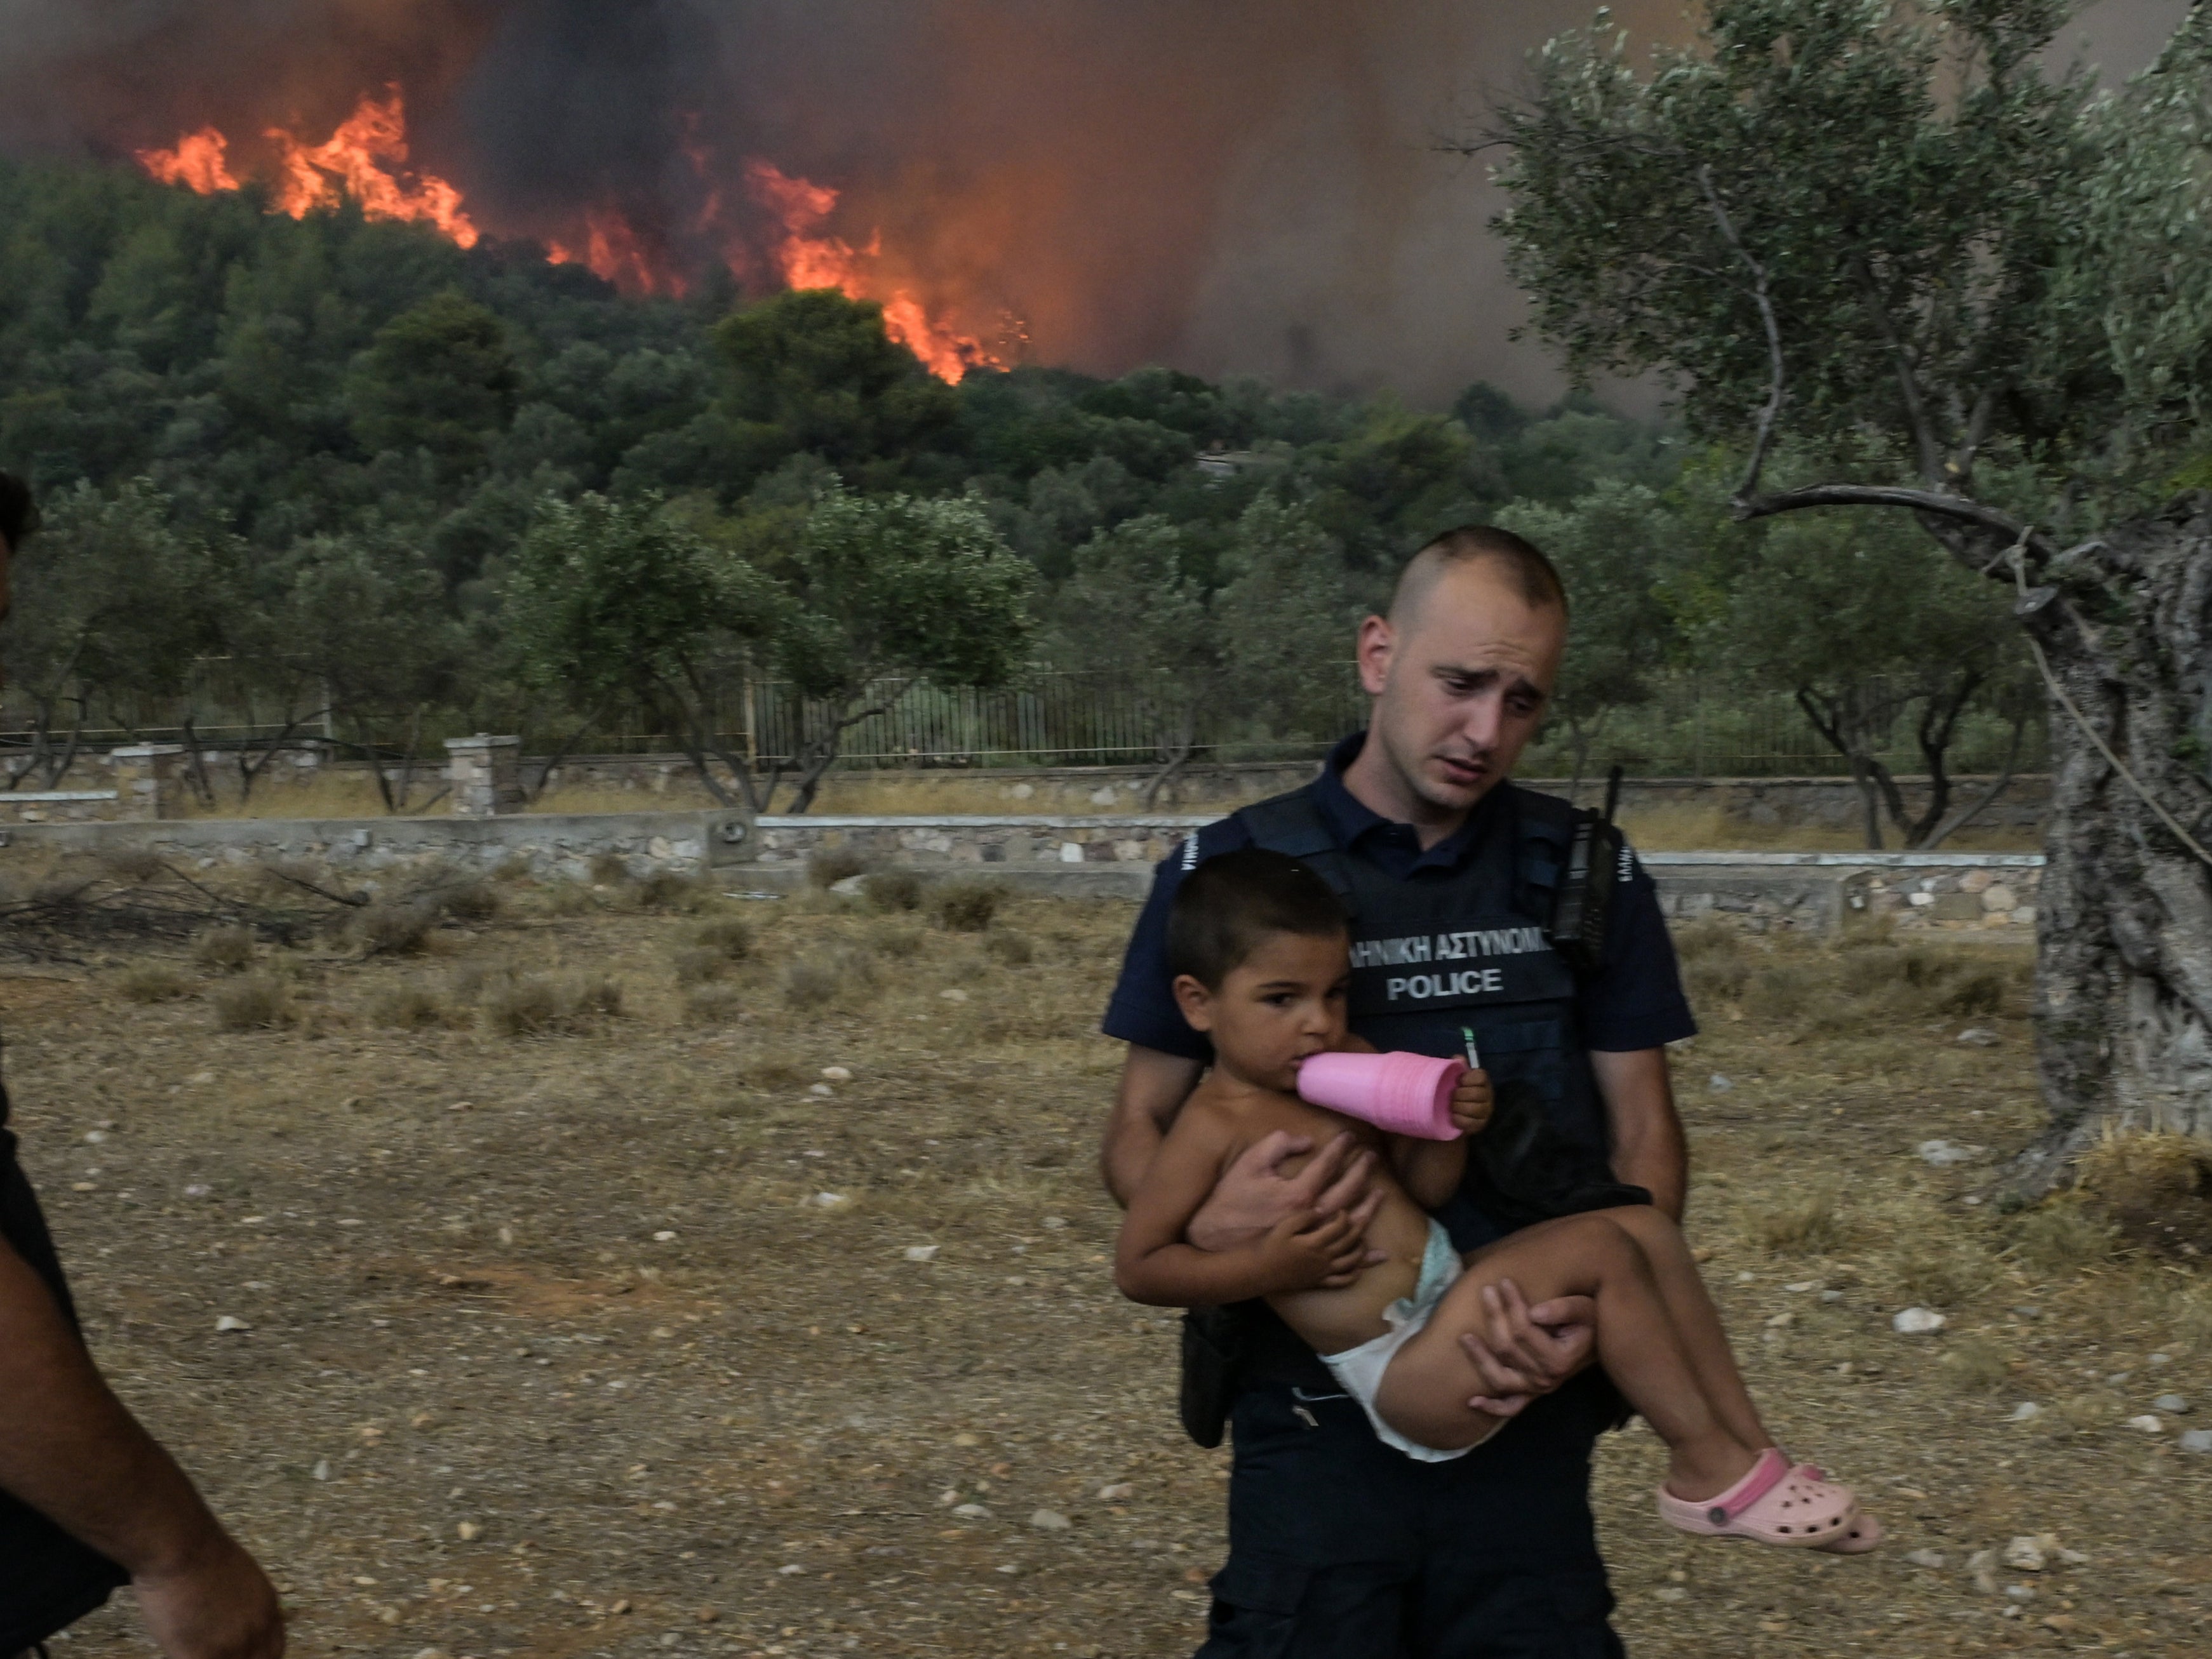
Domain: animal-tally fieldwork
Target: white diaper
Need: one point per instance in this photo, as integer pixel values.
(1358, 1372)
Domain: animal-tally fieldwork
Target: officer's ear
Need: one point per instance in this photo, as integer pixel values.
(1196, 1002)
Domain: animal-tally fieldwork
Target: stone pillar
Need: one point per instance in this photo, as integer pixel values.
(486, 774)
(146, 781)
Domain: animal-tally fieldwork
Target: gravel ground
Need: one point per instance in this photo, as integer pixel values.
(649, 1337)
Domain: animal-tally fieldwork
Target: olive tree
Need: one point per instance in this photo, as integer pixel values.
(1838, 223)
(1613, 547)
(887, 592)
(607, 601)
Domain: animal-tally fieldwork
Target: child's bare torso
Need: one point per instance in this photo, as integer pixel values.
(1331, 1321)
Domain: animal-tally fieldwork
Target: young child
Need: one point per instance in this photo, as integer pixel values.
(1260, 949)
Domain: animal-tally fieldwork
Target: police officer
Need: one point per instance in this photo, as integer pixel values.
(88, 1501)
(1339, 1546)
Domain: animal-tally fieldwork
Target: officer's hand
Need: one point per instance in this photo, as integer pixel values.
(219, 1605)
(1524, 1351)
(1306, 1250)
(1472, 1103)
(1254, 1194)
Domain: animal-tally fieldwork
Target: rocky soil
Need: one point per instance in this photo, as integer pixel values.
(724, 1325)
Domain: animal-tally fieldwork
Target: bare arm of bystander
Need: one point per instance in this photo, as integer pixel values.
(71, 1450)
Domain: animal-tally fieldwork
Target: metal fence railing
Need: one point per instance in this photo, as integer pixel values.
(1691, 729)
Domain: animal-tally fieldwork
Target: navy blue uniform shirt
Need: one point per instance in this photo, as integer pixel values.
(1635, 1002)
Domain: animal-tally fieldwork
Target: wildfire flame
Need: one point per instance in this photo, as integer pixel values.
(200, 162)
(614, 252)
(810, 259)
(366, 159)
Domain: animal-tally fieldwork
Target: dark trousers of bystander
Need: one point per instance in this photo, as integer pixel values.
(1340, 1547)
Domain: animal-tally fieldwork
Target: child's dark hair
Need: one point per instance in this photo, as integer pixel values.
(1233, 900)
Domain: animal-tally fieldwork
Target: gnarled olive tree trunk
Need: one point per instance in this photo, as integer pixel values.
(2124, 980)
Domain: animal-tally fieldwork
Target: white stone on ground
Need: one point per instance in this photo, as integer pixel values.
(1917, 1322)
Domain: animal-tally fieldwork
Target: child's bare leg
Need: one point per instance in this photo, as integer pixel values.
(1424, 1392)
(1696, 1320)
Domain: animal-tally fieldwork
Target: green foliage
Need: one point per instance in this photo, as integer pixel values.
(438, 377)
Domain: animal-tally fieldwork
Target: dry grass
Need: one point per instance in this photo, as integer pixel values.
(835, 864)
(393, 928)
(409, 1007)
(155, 981)
(803, 1392)
(534, 1005)
(965, 906)
(225, 950)
(892, 890)
(255, 1002)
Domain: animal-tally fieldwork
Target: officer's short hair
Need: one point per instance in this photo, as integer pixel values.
(1233, 901)
(1533, 577)
(19, 513)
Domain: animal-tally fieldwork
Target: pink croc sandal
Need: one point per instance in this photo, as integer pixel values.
(1775, 1503)
(1861, 1534)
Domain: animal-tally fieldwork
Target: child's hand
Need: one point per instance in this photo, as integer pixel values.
(1472, 1103)
(1304, 1251)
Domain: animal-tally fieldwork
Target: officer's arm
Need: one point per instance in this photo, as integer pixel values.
(1154, 1086)
(1648, 1149)
(70, 1451)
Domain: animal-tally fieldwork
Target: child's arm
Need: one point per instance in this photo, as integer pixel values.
(1153, 1265)
(1430, 1170)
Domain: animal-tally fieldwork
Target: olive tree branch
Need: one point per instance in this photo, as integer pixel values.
(1764, 299)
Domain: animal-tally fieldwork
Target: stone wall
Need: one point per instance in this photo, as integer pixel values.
(666, 782)
(1992, 894)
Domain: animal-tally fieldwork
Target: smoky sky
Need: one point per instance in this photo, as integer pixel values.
(1244, 186)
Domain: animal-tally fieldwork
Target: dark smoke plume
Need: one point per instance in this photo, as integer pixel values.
(1243, 186)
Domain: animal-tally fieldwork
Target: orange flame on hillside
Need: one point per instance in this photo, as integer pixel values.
(614, 252)
(200, 162)
(366, 161)
(810, 259)
(365, 158)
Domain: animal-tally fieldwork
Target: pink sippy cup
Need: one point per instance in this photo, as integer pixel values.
(1404, 1094)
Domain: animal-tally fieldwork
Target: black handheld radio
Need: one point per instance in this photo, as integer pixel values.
(1585, 893)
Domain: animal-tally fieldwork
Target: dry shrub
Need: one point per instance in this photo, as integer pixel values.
(469, 901)
(1710, 939)
(567, 898)
(812, 981)
(256, 1002)
(1013, 949)
(1975, 1365)
(513, 868)
(2085, 1414)
(1783, 992)
(695, 965)
(2062, 1237)
(1941, 1277)
(410, 1007)
(530, 1005)
(394, 928)
(712, 1005)
(610, 869)
(834, 864)
(894, 942)
(1808, 1227)
(133, 864)
(893, 890)
(666, 889)
(965, 906)
(155, 981)
(2156, 1189)
(727, 936)
(227, 950)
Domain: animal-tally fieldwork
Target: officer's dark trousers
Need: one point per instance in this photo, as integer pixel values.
(1341, 1548)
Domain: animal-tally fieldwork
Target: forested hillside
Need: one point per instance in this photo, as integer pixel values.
(342, 475)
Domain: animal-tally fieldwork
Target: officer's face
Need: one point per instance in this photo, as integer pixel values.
(1283, 1002)
(1461, 688)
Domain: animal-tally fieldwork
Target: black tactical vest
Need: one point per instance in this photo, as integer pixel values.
(48, 1580)
(1444, 952)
